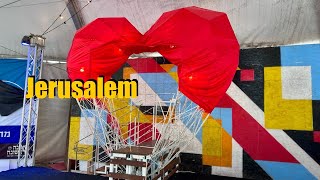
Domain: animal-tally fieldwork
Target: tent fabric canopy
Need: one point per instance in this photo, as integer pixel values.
(200, 42)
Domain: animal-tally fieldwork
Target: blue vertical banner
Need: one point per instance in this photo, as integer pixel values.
(13, 72)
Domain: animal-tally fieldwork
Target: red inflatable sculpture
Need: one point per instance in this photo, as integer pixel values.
(200, 42)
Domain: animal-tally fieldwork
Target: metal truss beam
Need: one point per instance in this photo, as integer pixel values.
(28, 134)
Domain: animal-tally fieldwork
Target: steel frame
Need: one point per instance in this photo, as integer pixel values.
(182, 116)
(28, 129)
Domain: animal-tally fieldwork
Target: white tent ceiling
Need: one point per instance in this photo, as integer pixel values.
(18, 20)
(257, 23)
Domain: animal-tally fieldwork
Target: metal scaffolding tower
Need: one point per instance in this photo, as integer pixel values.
(27, 141)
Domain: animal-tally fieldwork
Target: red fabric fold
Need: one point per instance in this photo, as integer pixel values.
(200, 42)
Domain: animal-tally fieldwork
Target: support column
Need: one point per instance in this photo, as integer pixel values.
(28, 129)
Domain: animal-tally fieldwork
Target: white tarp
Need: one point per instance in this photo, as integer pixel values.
(25, 17)
(257, 23)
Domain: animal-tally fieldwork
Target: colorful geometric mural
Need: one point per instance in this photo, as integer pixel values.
(267, 126)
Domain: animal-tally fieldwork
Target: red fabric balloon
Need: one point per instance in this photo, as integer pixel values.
(101, 48)
(200, 42)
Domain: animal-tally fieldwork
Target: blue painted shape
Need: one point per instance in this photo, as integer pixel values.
(87, 113)
(165, 86)
(199, 135)
(13, 70)
(188, 108)
(130, 142)
(161, 83)
(216, 113)
(100, 126)
(174, 69)
(281, 170)
(226, 117)
(304, 55)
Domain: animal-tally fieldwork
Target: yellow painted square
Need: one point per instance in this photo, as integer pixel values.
(84, 151)
(281, 113)
(216, 144)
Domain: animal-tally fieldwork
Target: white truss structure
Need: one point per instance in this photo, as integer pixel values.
(180, 117)
(27, 141)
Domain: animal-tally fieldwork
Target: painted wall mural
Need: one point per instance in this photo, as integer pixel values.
(267, 126)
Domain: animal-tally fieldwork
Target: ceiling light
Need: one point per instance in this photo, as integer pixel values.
(25, 40)
(33, 40)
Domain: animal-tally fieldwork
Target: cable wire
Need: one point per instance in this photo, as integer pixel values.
(11, 50)
(35, 4)
(56, 18)
(48, 64)
(68, 18)
(10, 3)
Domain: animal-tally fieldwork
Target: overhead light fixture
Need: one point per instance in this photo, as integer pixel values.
(25, 41)
(33, 40)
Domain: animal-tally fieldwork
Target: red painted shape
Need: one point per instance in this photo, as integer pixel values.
(144, 131)
(145, 65)
(252, 137)
(316, 136)
(247, 75)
